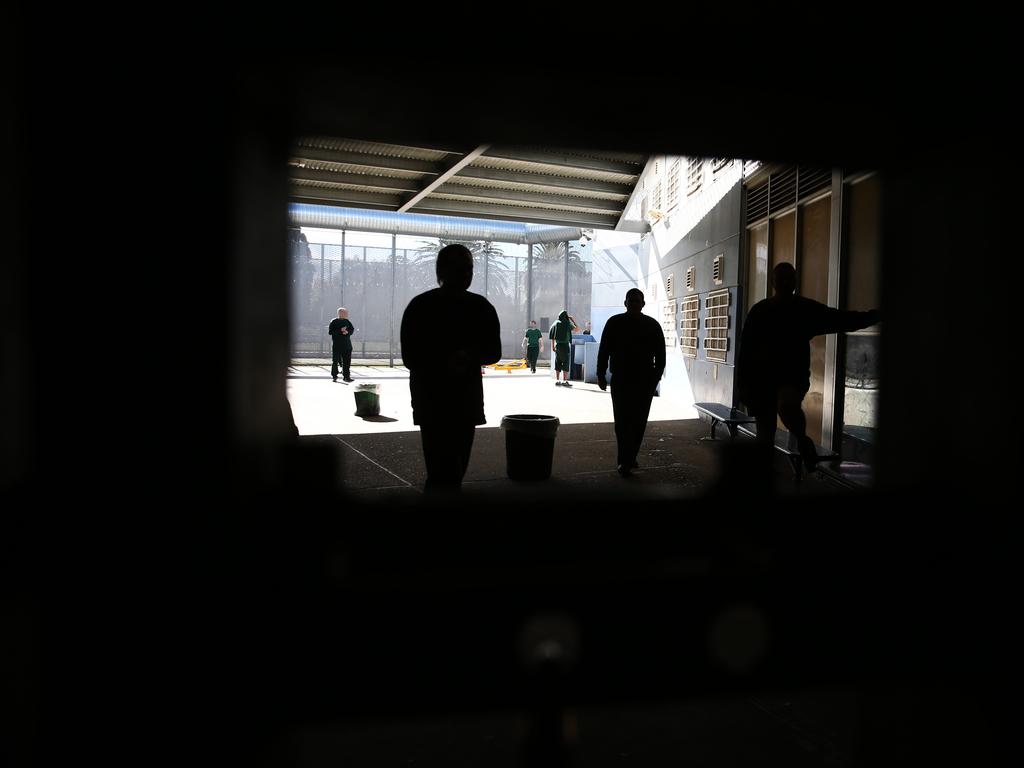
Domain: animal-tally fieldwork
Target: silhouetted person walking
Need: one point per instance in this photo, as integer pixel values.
(774, 365)
(341, 330)
(447, 334)
(635, 345)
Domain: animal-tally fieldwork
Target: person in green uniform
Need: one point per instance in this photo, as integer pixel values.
(561, 336)
(533, 341)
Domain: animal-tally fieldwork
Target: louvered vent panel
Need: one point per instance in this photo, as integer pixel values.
(668, 323)
(694, 175)
(673, 183)
(782, 189)
(718, 269)
(810, 181)
(688, 326)
(757, 203)
(716, 325)
(656, 201)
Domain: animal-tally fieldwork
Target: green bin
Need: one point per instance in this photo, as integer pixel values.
(368, 400)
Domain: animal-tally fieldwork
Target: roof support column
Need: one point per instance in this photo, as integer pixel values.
(529, 283)
(565, 287)
(391, 311)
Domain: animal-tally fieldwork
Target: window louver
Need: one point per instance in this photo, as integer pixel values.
(673, 183)
(810, 181)
(782, 190)
(694, 174)
(757, 203)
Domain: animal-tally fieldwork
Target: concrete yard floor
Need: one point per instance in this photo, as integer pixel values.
(380, 458)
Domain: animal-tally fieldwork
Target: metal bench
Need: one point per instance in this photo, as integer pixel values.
(786, 444)
(723, 414)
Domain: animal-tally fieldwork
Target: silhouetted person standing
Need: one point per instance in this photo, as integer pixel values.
(774, 365)
(447, 334)
(341, 330)
(635, 345)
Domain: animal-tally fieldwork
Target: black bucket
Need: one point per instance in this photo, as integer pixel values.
(529, 445)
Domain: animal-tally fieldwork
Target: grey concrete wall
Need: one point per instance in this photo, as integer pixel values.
(719, 232)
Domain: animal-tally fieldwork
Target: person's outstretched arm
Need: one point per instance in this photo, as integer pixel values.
(832, 320)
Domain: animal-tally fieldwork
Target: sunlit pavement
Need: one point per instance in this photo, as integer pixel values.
(321, 406)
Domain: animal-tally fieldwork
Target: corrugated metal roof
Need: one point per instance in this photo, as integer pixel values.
(569, 172)
(525, 204)
(373, 148)
(570, 187)
(633, 158)
(394, 173)
(336, 185)
(524, 186)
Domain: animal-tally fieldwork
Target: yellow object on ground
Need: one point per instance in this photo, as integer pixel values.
(508, 365)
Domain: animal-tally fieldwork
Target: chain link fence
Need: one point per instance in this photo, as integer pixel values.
(376, 284)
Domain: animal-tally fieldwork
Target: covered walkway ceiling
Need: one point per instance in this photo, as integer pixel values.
(543, 186)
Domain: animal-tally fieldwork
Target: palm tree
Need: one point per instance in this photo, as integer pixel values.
(302, 284)
(494, 270)
(555, 252)
(549, 276)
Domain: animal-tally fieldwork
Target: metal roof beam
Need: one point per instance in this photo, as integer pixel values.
(444, 172)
